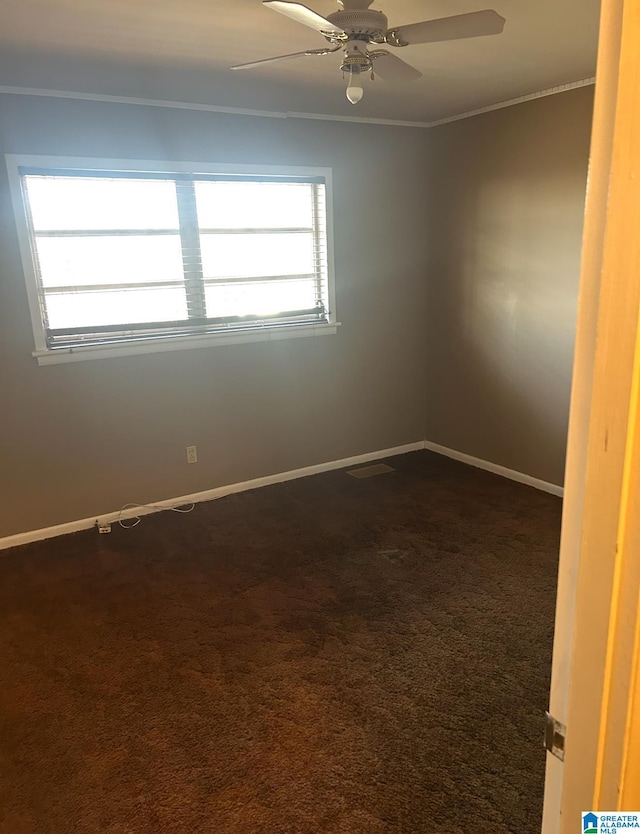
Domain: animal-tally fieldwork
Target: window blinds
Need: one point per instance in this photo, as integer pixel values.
(122, 256)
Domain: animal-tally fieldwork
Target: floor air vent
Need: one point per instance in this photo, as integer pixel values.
(370, 471)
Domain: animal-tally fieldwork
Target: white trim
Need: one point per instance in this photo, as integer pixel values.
(511, 474)
(26, 254)
(153, 102)
(275, 114)
(274, 334)
(206, 495)
(551, 91)
(164, 166)
(360, 120)
(208, 108)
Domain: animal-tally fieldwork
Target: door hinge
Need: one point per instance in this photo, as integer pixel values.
(555, 736)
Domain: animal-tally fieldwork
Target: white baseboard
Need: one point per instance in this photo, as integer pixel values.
(511, 474)
(206, 495)
(281, 477)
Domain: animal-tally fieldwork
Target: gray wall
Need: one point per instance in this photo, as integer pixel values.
(507, 194)
(457, 263)
(84, 438)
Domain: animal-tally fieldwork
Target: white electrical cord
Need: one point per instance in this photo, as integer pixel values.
(181, 508)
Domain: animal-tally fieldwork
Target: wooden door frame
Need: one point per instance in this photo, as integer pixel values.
(598, 581)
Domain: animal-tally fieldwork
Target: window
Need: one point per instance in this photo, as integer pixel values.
(123, 258)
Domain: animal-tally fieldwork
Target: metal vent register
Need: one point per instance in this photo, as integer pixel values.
(370, 471)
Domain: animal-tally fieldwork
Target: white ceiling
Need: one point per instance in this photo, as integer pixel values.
(182, 50)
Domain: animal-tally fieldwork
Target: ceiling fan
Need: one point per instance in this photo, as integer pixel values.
(355, 27)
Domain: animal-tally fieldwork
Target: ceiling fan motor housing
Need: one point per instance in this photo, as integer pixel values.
(361, 24)
(356, 57)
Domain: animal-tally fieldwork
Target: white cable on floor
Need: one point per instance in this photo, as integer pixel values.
(181, 508)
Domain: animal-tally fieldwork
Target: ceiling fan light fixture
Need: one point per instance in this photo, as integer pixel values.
(355, 90)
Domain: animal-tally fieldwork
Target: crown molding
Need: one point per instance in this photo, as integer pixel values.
(550, 91)
(274, 114)
(150, 102)
(208, 108)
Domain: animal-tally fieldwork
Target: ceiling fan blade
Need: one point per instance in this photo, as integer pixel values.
(301, 14)
(470, 25)
(280, 58)
(394, 69)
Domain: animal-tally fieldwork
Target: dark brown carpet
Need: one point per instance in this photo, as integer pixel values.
(327, 655)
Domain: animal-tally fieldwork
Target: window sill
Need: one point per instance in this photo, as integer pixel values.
(81, 354)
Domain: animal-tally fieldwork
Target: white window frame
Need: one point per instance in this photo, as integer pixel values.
(48, 356)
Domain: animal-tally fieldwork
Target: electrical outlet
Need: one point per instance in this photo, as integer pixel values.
(192, 454)
(103, 526)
